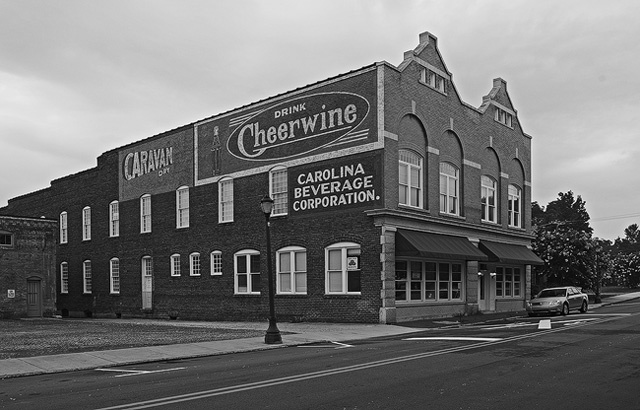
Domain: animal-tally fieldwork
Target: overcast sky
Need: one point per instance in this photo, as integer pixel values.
(78, 78)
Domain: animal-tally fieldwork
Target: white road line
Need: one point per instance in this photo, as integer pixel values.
(472, 339)
(340, 345)
(138, 372)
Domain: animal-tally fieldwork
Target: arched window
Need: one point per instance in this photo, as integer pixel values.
(64, 277)
(114, 219)
(409, 178)
(86, 276)
(488, 191)
(145, 213)
(449, 189)
(182, 207)
(194, 264)
(515, 206)
(114, 275)
(247, 272)
(64, 233)
(278, 191)
(216, 263)
(342, 268)
(291, 268)
(175, 264)
(225, 200)
(86, 223)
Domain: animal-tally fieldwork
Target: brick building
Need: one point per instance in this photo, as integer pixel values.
(394, 200)
(27, 267)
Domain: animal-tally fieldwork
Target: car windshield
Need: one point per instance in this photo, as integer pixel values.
(550, 293)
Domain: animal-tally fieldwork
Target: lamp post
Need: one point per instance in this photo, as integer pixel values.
(273, 333)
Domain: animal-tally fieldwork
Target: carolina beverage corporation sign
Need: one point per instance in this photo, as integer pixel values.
(298, 126)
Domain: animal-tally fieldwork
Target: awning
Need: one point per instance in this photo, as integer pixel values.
(506, 253)
(429, 245)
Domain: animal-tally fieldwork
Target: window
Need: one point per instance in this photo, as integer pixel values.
(175, 264)
(508, 282)
(488, 198)
(64, 277)
(247, 272)
(410, 178)
(514, 213)
(182, 207)
(6, 239)
(145, 213)
(86, 223)
(114, 274)
(434, 80)
(504, 117)
(291, 268)
(342, 268)
(449, 191)
(279, 191)
(418, 281)
(86, 275)
(216, 263)
(114, 219)
(194, 264)
(63, 228)
(225, 200)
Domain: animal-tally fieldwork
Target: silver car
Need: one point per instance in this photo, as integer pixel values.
(558, 300)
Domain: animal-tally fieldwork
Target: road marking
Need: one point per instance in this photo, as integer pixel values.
(138, 372)
(473, 339)
(340, 345)
(544, 324)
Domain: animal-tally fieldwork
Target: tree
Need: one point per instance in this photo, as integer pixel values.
(625, 265)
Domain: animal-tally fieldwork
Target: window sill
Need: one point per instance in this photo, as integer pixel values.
(433, 88)
(342, 295)
(453, 216)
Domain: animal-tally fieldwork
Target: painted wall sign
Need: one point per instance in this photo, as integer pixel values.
(340, 185)
(298, 126)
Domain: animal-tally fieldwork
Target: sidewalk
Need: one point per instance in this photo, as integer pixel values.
(294, 334)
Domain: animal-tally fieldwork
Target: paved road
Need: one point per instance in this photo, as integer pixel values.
(581, 361)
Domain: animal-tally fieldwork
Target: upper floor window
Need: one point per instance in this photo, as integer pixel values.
(182, 207)
(514, 209)
(225, 200)
(434, 80)
(279, 191)
(449, 189)
(291, 268)
(175, 264)
(247, 272)
(503, 117)
(64, 277)
(410, 178)
(6, 239)
(86, 275)
(114, 219)
(114, 275)
(145, 213)
(86, 223)
(194, 264)
(64, 238)
(488, 198)
(216, 263)
(342, 268)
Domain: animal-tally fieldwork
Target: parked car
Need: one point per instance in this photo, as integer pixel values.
(558, 300)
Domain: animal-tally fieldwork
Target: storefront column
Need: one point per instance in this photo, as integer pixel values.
(387, 275)
(472, 287)
(527, 283)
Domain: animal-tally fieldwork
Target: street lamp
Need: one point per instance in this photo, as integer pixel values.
(273, 333)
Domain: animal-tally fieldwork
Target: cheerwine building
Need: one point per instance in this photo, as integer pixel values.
(393, 199)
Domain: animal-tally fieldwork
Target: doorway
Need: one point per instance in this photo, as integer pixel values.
(486, 292)
(34, 298)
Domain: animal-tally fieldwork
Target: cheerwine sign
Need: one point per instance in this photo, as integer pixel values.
(346, 184)
(298, 126)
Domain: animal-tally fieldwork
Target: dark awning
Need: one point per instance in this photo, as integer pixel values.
(429, 245)
(507, 253)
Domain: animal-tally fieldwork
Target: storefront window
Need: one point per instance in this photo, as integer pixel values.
(418, 281)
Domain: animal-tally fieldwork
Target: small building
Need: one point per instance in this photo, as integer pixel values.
(27, 267)
(394, 200)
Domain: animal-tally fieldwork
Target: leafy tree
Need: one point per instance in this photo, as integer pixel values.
(625, 265)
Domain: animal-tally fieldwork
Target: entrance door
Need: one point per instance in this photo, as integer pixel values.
(34, 304)
(486, 292)
(147, 283)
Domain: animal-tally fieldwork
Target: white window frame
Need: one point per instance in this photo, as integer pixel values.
(279, 191)
(145, 213)
(194, 264)
(346, 250)
(434, 80)
(423, 281)
(86, 223)
(449, 189)
(504, 117)
(514, 209)
(86, 277)
(225, 200)
(412, 163)
(182, 207)
(251, 273)
(64, 277)
(216, 263)
(114, 276)
(175, 265)
(64, 231)
(488, 191)
(114, 219)
(295, 278)
(507, 287)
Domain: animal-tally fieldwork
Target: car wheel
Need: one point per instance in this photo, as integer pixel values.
(584, 307)
(565, 309)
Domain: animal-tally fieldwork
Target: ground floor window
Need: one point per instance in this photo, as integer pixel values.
(342, 265)
(247, 272)
(427, 281)
(508, 282)
(292, 270)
